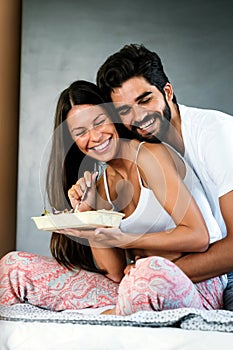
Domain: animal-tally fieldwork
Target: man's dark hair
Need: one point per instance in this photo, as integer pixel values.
(131, 61)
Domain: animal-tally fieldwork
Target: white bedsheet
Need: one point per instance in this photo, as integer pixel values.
(25, 327)
(55, 336)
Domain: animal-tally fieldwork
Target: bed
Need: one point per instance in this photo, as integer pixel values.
(26, 327)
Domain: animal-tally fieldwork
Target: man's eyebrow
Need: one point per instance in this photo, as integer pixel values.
(144, 94)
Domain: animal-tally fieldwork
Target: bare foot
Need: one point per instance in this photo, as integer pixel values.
(109, 312)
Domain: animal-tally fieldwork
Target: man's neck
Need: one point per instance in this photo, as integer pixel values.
(174, 133)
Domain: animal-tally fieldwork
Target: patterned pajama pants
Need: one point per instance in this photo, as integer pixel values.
(154, 284)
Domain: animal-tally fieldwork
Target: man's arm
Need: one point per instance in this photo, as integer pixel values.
(218, 259)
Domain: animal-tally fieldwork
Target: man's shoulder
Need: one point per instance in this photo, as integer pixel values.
(201, 116)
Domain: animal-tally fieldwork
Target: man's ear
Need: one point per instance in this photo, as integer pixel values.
(168, 91)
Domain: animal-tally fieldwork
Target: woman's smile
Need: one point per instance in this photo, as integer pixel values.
(93, 131)
(102, 147)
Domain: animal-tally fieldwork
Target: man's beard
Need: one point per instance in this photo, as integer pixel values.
(164, 126)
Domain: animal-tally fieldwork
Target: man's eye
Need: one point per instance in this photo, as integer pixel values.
(124, 111)
(144, 101)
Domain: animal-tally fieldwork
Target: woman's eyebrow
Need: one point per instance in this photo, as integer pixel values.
(98, 116)
(82, 127)
(77, 128)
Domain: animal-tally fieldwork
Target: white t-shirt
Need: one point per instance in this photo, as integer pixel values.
(208, 141)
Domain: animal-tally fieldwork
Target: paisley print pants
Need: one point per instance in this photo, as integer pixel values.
(154, 283)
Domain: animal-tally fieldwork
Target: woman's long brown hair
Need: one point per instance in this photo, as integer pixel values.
(65, 166)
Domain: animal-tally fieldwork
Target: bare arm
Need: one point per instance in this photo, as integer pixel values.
(190, 233)
(112, 260)
(218, 259)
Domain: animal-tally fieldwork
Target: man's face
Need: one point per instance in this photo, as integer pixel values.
(142, 108)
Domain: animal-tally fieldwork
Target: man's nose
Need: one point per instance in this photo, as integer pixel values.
(139, 113)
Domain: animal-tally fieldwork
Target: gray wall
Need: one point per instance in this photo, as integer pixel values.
(67, 40)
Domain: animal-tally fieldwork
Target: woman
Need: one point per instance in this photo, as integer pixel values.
(137, 175)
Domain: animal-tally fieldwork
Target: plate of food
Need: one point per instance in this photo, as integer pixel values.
(86, 220)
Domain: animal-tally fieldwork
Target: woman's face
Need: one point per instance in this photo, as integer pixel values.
(93, 131)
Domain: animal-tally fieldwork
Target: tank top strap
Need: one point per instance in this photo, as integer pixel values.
(136, 162)
(107, 190)
(106, 180)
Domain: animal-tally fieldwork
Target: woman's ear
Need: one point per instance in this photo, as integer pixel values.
(168, 92)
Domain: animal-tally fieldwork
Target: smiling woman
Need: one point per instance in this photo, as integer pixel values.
(92, 130)
(79, 108)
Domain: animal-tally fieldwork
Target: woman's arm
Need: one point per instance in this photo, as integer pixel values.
(161, 175)
(190, 233)
(112, 260)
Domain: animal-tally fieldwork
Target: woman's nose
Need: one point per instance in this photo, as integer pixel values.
(95, 134)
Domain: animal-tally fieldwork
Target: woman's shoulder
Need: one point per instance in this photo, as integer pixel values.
(157, 150)
(160, 155)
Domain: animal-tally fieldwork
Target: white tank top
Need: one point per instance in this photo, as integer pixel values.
(150, 216)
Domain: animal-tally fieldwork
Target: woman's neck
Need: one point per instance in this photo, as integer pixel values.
(126, 155)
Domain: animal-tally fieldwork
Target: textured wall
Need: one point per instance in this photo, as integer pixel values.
(68, 40)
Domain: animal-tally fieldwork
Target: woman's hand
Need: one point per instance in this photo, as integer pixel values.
(82, 195)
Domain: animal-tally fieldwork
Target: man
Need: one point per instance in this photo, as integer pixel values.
(134, 79)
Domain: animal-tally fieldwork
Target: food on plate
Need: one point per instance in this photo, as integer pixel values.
(82, 220)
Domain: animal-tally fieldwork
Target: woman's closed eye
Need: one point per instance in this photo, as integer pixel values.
(99, 121)
(81, 132)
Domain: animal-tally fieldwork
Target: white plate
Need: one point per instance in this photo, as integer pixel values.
(88, 220)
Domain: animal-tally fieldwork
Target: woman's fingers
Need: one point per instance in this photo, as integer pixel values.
(75, 193)
(84, 189)
(87, 178)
